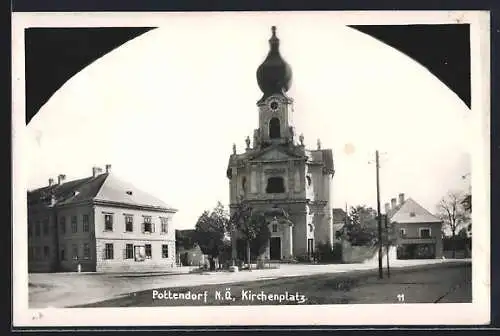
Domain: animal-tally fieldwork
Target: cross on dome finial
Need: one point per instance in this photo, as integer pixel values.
(274, 39)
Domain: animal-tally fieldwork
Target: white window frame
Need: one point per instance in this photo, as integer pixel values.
(126, 257)
(424, 228)
(168, 251)
(112, 251)
(164, 222)
(87, 249)
(125, 216)
(402, 232)
(150, 250)
(146, 219)
(85, 223)
(112, 221)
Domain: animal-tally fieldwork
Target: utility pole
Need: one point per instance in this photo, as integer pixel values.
(386, 218)
(379, 218)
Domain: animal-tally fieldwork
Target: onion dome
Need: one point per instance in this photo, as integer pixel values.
(274, 75)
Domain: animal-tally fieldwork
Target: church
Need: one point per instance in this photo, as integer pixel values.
(278, 175)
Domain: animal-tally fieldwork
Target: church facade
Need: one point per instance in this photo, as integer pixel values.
(278, 175)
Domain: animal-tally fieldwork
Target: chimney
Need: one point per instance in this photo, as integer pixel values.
(393, 203)
(61, 178)
(387, 208)
(401, 198)
(108, 168)
(51, 182)
(52, 200)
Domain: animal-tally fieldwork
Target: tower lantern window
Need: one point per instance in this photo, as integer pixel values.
(274, 128)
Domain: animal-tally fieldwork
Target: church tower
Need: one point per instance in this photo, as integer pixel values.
(274, 77)
(278, 176)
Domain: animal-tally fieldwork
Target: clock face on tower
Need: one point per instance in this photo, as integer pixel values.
(274, 105)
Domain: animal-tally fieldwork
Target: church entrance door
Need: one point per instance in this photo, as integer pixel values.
(275, 248)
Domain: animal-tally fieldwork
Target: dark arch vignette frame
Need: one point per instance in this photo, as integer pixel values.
(54, 55)
(150, 5)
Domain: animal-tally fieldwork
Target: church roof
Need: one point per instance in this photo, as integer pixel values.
(412, 212)
(104, 187)
(325, 155)
(253, 154)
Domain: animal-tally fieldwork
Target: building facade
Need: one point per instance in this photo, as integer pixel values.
(418, 231)
(278, 175)
(98, 224)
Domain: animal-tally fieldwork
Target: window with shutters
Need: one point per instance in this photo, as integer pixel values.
(149, 252)
(74, 224)
(108, 251)
(86, 251)
(108, 222)
(164, 225)
(85, 223)
(62, 224)
(129, 251)
(129, 223)
(164, 251)
(147, 226)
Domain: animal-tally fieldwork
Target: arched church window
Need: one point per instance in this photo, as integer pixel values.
(275, 185)
(309, 181)
(311, 228)
(274, 128)
(275, 227)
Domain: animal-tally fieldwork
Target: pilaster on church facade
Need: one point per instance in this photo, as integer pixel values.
(278, 175)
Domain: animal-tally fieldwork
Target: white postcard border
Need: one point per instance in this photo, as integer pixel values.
(477, 312)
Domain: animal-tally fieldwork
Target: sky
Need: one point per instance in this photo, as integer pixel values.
(165, 108)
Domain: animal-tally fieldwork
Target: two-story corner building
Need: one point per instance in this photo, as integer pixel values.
(418, 231)
(98, 224)
(277, 175)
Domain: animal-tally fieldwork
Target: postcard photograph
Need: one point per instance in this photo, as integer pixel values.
(251, 168)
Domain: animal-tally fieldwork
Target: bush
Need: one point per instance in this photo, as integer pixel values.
(358, 235)
(304, 258)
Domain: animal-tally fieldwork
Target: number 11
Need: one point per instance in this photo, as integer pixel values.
(401, 298)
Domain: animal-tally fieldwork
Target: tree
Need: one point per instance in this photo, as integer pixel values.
(210, 232)
(252, 228)
(463, 233)
(452, 213)
(467, 203)
(362, 225)
(184, 239)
